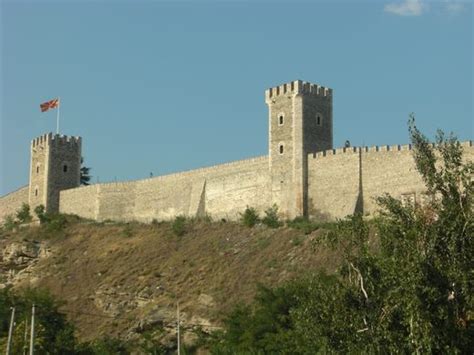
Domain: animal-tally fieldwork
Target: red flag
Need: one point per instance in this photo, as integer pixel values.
(49, 105)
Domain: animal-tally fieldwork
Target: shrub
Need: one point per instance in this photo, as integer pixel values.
(250, 217)
(23, 214)
(207, 218)
(127, 231)
(55, 222)
(271, 217)
(297, 241)
(41, 213)
(179, 226)
(10, 224)
(303, 224)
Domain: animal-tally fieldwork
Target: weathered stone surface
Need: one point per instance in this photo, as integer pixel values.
(11, 202)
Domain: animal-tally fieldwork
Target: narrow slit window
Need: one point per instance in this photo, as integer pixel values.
(65, 168)
(280, 120)
(37, 169)
(36, 192)
(281, 149)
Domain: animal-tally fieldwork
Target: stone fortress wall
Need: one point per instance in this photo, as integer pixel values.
(11, 202)
(348, 180)
(222, 191)
(340, 182)
(302, 175)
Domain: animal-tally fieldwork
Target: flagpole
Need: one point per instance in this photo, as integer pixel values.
(57, 116)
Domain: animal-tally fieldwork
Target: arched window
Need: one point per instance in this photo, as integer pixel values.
(36, 191)
(37, 169)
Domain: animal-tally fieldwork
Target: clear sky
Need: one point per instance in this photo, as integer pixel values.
(156, 86)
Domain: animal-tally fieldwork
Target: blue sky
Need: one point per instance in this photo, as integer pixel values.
(155, 86)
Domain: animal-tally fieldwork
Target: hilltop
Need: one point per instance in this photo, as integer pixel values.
(119, 279)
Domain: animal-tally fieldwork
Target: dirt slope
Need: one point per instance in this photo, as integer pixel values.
(119, 279)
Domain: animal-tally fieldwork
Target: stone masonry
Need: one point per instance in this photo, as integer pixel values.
(302, 174)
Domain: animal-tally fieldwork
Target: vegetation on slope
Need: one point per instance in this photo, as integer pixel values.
(123, 280)
(402, 282)
(412, 294)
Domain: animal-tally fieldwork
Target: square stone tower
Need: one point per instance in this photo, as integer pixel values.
(55, 166)
(300, 122)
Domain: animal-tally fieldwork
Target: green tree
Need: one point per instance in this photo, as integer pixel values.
(53, 333)
(413, 293)
(85, 173)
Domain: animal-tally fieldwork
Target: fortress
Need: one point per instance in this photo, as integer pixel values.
(302, 173)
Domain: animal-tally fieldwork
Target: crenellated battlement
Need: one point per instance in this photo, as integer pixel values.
(298, 87)
(374, 149)
(44, 139)
(57, 139)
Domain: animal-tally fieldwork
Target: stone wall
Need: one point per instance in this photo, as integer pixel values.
(222, 191)
(333, 183)
(340, 182)
(343, 181)
(10, 203)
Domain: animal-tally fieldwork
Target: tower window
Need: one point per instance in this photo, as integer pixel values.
(281, 119)
(281, 148)
(65, 168)
(37, 169)
(319, 119)
(36, 192)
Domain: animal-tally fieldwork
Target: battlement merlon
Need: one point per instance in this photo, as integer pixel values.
(376, 149)
(298, 87)
(49, 138)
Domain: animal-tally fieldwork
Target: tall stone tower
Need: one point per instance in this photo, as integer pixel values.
(300, 122)
(55, 166)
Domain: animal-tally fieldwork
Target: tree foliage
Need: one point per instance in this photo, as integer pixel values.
(53, 333)
(85, 173)
(413, 292)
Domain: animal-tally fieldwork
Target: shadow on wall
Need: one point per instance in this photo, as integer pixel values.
(359, 207)
(317, 214)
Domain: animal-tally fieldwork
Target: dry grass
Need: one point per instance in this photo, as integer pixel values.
(143, 268)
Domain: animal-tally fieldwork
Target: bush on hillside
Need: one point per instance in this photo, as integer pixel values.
(250, 217)
(271, 217)
(9, 223)
(23, 214)
(303, 224)
(179, 226)
(41, 213)
(56, 222)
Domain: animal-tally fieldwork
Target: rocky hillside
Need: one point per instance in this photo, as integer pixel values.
(121, 279)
